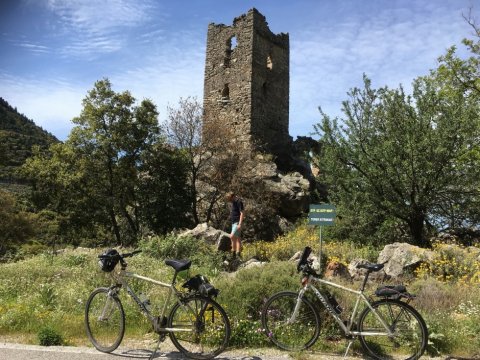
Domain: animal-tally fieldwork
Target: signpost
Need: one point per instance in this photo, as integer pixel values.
(322, 215)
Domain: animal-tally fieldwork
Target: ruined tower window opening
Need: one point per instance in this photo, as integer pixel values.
(233, 42)
(264, 88)
(231, 45)
(225, 94)
(269, 63)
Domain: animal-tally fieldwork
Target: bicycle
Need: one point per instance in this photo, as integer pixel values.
(387, 328)
(197, 325)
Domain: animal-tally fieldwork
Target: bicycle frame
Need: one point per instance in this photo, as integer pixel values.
(120, 281)
(359, 298)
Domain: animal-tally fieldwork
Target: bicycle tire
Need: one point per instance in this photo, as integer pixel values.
(209, 324)
(105, 332)
(298, 335)
(411, 334)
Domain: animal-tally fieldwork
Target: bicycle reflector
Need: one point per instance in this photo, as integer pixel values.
(108, 260)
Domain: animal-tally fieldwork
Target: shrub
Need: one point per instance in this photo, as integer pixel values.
(287, 245)
(248, 333)
(182, 247)
(243, 295)
(47, 296)
(452, 263)
(74, 260)
(48, 336)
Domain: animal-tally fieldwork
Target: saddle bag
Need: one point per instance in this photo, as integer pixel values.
(200, 284)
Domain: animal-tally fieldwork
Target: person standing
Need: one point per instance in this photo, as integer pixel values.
(236, 216)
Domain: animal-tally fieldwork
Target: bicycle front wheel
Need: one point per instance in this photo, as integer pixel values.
(287, 330)
(200, 327)
(407, 325)
(104, 320)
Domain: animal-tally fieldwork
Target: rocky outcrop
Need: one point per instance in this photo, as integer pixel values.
(274, 199)
(210, 235)
(359, 274)
(292, 190)
(337, 269)
(312, 257)
(400, 258)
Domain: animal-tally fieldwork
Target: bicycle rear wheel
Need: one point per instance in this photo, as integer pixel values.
(287, 333)
(104, 320)
(202, 327)
(410, 332)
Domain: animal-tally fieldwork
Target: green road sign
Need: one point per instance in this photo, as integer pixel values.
(321, 214)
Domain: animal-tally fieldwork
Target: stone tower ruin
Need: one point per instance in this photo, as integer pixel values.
(247, 82)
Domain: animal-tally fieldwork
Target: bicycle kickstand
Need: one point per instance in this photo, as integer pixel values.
(160, 339)
(348, 348)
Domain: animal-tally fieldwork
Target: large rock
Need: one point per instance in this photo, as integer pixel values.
(210, 235)
(400, 257)
(359, 274)
(337, 269)
(293, 191)
(314, 258)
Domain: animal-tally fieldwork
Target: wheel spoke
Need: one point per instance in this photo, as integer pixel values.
(285, 330)
(409, 331)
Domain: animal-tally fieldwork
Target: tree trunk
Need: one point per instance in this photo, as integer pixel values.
(213, 201)
(416, 226)
(194, 198)
(116, 230)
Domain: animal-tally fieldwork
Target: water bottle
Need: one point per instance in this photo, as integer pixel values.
(144, 300)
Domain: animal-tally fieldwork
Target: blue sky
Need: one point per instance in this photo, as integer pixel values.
(53, 51)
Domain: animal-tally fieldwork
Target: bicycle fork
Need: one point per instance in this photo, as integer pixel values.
(108, 307)
(297, 306)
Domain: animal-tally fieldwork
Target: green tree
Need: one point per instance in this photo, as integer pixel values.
(164, 191)
(93, 177)
(16, 226)
(110, 135)
(63, 183)
(463, 74)
(203, 144)
(393, 161)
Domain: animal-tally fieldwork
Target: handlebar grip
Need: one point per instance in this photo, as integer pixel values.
(135, 252)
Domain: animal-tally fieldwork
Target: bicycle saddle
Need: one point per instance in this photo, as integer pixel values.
(371, 267)
(179, 265)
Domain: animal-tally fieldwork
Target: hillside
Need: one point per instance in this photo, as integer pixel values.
(18, 135)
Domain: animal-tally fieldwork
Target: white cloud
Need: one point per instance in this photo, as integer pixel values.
(34, 48)
(99, 27)
(98, 17)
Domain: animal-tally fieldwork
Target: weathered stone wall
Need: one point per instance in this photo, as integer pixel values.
(247, 82)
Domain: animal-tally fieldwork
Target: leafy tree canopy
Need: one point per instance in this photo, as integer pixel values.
(399, 164)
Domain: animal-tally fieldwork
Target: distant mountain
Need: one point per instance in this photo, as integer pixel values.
(17, 136)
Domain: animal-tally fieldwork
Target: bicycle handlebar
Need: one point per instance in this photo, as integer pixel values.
(121, 256)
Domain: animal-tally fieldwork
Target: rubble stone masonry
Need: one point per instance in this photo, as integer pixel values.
(247, 82)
